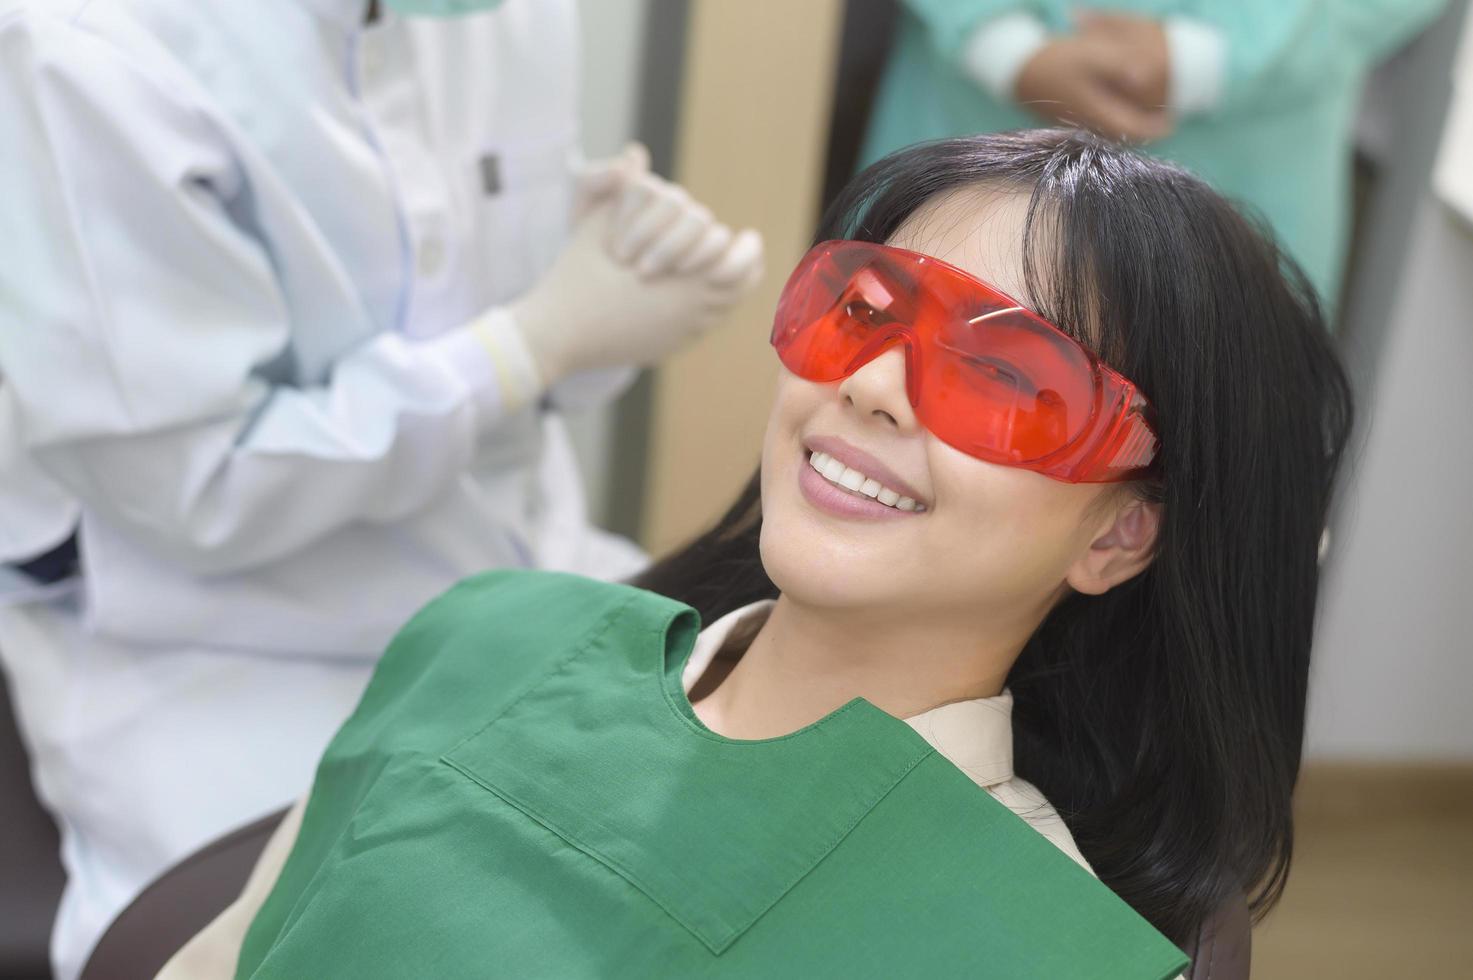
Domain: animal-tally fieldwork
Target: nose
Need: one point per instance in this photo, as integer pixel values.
(877, 390)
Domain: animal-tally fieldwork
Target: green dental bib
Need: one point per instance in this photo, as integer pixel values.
(525, 791)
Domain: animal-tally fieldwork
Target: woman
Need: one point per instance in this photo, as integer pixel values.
(961, 514)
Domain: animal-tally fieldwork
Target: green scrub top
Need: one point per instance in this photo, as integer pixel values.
(525, 791)
(1279, 141)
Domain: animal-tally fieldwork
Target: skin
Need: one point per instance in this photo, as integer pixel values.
(931, 608)
(1111, 76)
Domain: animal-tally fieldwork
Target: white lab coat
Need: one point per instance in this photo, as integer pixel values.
(238, 248)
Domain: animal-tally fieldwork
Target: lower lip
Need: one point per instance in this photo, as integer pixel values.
(841, 503)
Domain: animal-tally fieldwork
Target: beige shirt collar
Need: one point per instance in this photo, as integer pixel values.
(976, 735)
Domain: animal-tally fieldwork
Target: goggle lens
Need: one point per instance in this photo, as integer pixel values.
(984, 374)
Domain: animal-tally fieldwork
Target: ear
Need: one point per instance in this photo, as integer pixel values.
(1122, 548)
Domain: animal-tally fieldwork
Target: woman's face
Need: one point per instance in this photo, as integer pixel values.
(986, 542)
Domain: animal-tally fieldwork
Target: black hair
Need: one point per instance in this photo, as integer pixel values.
(1165, 718)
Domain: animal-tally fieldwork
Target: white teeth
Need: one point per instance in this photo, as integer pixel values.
(851, 479)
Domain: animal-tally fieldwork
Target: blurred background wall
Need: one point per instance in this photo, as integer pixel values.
(1394, 655)
(752, 130)
(734, 101)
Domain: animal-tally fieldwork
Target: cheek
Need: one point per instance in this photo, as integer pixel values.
(792, 404)
(1012, 532)
(803, 553)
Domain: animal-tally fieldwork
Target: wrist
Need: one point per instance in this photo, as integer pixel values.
(524, 323)
(1197, 54)
(994, 54)
(491, 358)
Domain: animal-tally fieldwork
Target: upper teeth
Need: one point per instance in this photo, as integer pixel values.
(851, 479)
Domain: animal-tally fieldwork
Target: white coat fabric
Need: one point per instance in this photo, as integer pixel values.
(240, 245)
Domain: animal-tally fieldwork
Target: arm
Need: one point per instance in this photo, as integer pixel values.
(141, 348)
(139, 320)
(1279, 49)
(1254, 53)
(950, 24)
(1026, 53)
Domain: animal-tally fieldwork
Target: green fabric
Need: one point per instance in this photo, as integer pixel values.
(1279, 142)
(525, 791)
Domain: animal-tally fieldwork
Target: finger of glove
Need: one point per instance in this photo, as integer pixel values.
(737, 262)
(713, 244)
(594, 181)
(725, 296)
(753, 277)
(634, 197)
(638, 192)
(636, 158)
(675, 242)
(659, 215)
(597, 180)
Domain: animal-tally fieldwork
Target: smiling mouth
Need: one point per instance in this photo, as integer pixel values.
(857, 484)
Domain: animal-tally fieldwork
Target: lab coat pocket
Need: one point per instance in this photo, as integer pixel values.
(523, 194)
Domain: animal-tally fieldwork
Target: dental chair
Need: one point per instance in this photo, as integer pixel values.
(31, 876)
(187, 897)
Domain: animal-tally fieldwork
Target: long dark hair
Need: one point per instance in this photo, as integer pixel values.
(1164, 719)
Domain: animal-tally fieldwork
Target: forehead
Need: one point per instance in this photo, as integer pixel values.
(977, 229)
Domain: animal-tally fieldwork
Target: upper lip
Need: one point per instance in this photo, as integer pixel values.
(855, 458)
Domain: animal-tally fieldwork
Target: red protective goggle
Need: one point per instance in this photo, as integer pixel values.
(983, 373)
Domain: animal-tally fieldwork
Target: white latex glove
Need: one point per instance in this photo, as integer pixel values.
(599, 180)
(646, 270)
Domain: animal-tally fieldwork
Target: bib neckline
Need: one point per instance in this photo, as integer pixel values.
(606, 752)
(678, 640)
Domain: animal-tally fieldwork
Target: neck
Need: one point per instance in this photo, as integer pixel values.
(807, 662)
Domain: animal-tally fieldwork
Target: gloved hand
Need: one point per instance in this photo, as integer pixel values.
(645, 270)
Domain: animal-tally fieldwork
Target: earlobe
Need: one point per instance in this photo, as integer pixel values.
(1123, 551)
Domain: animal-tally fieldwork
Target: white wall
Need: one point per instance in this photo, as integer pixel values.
(1394, 670)
(1393, 674)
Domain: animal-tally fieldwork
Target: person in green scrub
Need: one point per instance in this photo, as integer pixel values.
(1257, 96)
(996, 668)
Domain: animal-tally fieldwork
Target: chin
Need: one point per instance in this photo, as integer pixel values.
(807, 566)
